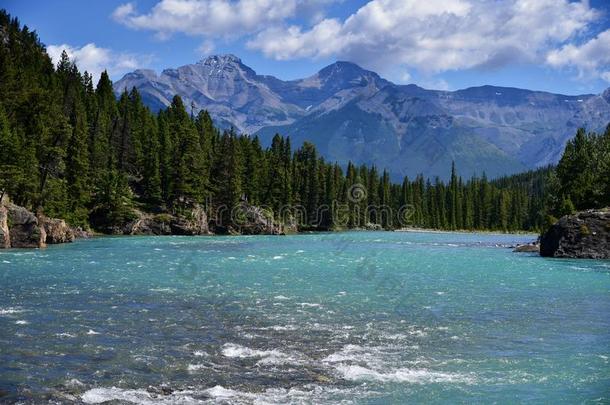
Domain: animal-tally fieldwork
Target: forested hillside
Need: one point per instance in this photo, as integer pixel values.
(582, 178)
(70, 149)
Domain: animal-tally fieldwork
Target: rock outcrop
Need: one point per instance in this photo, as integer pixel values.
(583, 235)
(57, 231)
(5, 236)
(193, 222)
(21, 228)
(188, 221)
(24, 229)
(251, 220)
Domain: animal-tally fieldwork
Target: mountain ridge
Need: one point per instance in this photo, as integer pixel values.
(351, 113)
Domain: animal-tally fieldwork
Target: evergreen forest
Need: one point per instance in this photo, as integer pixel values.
(70, 148)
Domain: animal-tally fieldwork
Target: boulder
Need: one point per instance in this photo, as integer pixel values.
(191, 221)
(24, 229)
(583, 235)
(527, 248)
(251, 220)
(188, 221)
(57, 231)
(150, 225)
(80, 233)
(370, 226)
(5, 236)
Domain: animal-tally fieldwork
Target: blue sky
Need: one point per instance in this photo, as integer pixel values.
(554, 45)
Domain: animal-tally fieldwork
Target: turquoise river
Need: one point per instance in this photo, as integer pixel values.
(359, 317)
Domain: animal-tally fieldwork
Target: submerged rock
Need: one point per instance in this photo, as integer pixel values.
(583, 235)
(527, 248)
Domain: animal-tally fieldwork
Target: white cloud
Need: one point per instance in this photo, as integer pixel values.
(211, 18)
(590, 58)
(422, 37)
(95, 60)
(206, 47)
(435, 36)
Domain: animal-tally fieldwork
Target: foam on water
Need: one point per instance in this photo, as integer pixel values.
(11, 311)
(405, 375)
(136, 396)
(267, 357)
(220, 392)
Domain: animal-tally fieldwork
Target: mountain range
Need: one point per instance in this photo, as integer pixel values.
(350, 113)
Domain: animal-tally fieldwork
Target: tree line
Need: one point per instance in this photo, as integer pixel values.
(582, 178)
(71, 149)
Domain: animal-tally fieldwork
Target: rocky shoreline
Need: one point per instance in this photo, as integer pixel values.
(584, 235)
(21, 228)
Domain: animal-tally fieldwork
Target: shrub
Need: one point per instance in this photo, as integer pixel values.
(584, 230)
(164, 218)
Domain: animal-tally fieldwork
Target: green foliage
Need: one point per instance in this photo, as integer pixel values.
(582, 176)
(71, 149)
(165, 218)
(549, 221)
(584, 230)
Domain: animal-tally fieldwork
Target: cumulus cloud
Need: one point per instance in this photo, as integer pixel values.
(95, 60)
(423, 37)
(213, 18)
(591, 59)
(435, 36)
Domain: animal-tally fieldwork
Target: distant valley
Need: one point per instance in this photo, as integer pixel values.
(351, 113)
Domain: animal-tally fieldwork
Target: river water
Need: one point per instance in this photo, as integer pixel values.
(360, 317)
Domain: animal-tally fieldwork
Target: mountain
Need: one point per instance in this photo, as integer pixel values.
(351, 113)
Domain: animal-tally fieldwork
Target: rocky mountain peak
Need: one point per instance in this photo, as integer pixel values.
(220, 60)
(606, 95)
(226, 65)
(351, 113)
(344, 72)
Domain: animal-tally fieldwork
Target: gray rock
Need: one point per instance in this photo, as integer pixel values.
(527, 248)
(57, 231)
(24, 229)
(190, 219)
(149, 225)
(583, 235)
(5, 236)
(80, 233)
(252, 220)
